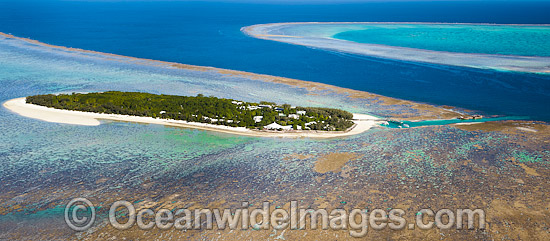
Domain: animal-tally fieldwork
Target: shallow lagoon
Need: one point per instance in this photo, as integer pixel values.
(467, 38)
(431, 43)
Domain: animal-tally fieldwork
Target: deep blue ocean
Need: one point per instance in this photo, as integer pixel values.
(208, 34)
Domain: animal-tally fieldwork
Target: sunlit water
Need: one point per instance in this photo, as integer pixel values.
(56, 158)
(486, 39)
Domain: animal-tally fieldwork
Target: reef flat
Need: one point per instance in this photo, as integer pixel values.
(501, 167)
(332, 36)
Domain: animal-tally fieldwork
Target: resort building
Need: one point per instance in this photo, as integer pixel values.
(310, 123)
(275, 126)
(258, 118)
(294, 116)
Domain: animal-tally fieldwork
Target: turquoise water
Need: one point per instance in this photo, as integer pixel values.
(44, 165)
(410, 124)
(37, 154)
(486, 39)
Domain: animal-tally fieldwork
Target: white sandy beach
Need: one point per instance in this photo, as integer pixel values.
(362, 122)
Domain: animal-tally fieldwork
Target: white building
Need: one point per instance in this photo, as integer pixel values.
(309, 123)
(301, 112)
(282, 114)
(258, 118)
(294, 116)
(275, 126)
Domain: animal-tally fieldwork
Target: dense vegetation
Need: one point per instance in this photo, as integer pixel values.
(200, 109)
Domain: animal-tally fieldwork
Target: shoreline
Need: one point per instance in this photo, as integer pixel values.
(514, 63)
(362, 122)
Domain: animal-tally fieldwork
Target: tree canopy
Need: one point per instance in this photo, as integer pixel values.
(200, 108)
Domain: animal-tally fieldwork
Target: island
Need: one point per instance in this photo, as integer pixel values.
(202, 112)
